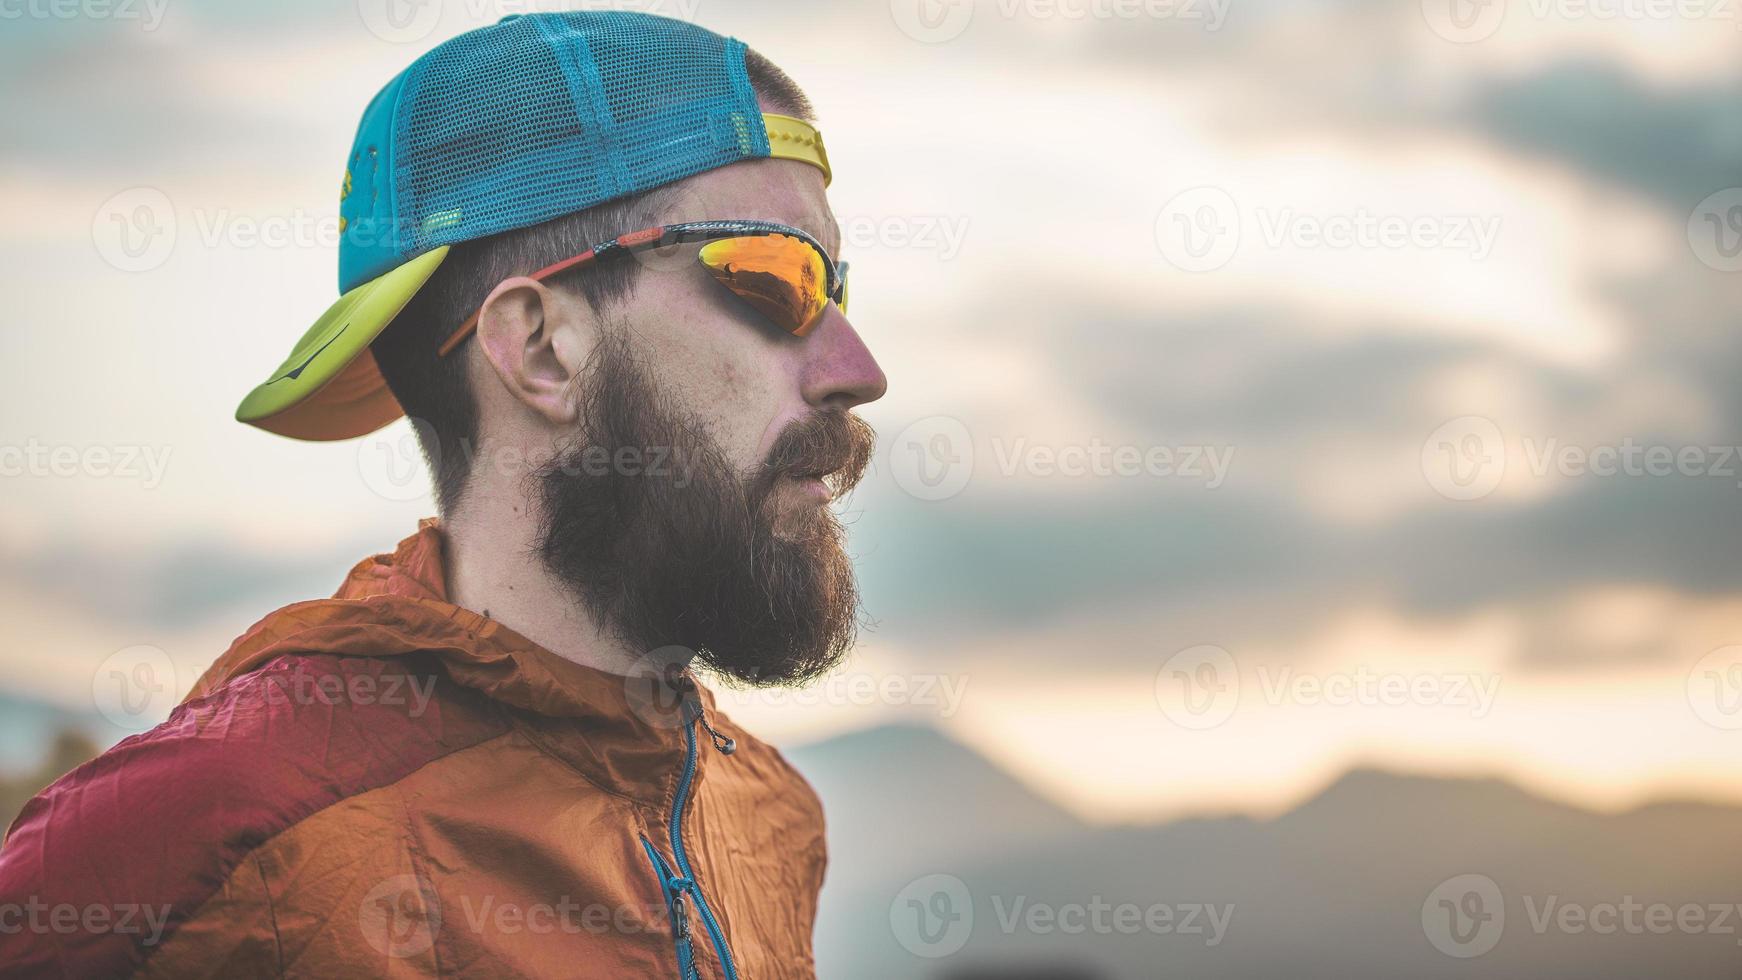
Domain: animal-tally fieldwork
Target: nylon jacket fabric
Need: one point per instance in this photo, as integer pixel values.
(386, 784)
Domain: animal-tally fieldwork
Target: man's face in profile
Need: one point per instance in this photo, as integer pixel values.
(717, 535)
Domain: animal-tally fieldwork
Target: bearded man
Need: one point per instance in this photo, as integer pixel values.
(591, 257)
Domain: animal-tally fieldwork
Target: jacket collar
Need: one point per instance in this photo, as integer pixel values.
(396, 604)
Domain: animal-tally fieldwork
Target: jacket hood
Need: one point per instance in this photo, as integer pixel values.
(396, 604)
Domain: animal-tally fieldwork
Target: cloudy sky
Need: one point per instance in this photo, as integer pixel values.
(1274, 386)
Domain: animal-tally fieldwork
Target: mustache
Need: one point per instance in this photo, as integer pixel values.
(835, 446)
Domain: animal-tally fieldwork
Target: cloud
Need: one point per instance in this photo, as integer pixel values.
(172, 582)
(1327, 503)
(1676, 144)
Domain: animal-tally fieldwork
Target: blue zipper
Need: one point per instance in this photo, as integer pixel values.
(683, 864)
(672, 888)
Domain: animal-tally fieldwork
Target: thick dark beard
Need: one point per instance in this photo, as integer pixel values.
(679, 550)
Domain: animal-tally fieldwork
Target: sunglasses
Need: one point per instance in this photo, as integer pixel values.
(781, 272)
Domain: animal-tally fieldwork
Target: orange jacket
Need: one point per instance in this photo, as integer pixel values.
(385, 784)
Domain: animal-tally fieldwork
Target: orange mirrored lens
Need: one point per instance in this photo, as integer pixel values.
(782, 277)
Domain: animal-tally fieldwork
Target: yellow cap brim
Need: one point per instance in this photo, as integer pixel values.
(329, 387)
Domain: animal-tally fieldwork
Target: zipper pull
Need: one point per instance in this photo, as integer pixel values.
(681, 911)
(726, 746)
(693, 705)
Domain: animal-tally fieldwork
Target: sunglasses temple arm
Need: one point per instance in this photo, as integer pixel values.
(458, 336)
(471, 324)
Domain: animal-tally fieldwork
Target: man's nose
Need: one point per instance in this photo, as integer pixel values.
(839, 371)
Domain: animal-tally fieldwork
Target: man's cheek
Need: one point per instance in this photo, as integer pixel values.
(746, 416)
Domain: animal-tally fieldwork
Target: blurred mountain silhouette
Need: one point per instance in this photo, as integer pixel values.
(1359, 881)
(71, 748)
(892, 784)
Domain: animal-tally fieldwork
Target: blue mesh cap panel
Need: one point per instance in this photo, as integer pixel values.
(548, 114)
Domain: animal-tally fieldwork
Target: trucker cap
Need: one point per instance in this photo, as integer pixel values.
(507, 126)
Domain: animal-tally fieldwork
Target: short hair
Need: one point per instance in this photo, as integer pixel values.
(435, 391)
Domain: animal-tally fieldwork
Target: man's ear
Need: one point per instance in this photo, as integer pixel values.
(536, 340)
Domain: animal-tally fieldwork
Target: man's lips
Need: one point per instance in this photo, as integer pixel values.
(812, 486)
